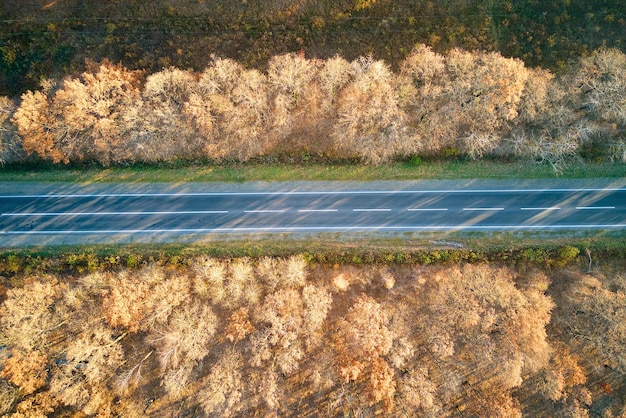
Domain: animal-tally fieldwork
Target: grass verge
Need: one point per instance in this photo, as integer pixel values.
(540, 249)
(431, 170)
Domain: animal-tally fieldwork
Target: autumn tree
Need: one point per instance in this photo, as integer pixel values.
(40, 404)
(139, 301)
(182, 343)
(130, 378)
(601, 77)
(82, 119)
(581, 107)
(463, 99)
(224, 386)
(418, 392)
(163, 132)
(484, 331)
(37, 126)
(362, 340)
(90, 360)
(26, 370)
(240, 285)
(289, 77)
(564, 379)
(551, 128)
(370, 124)
(334, 74)
(123, 302)
(423, 66)
(10, 142)
(278, 341)
(594, 315)
(208, 282)
(317, 303)
(276, 273)
(239, 325)
(231, 110)
(28, 317)
(303, 119)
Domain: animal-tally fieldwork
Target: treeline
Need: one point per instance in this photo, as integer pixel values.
(275, 336)
(43, 39)
(463, 103)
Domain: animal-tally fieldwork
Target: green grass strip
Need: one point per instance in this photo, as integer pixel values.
(437, 170)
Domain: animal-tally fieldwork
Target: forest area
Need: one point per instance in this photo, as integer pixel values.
(278, 336)
(122, 82)
(468, 104)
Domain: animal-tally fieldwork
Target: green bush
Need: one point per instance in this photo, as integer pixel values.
(534, 255)
(565, 255)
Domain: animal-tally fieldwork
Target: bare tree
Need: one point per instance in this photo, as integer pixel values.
(231, 110)
(27, 316)
(335, 73)
(210, 275)
(225, 386)
(278, 341)
(187, 336)
(91, 360)
(37, 126)
(370, 124)
(161, 131)
(10, 142)
(289, 77)
(602, 80)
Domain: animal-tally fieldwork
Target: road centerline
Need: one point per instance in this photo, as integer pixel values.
(545, 208)
(371, 210)
(483, 209)
(426, 209)
(594, 207)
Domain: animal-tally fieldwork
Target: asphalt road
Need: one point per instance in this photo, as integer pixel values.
(130, 212)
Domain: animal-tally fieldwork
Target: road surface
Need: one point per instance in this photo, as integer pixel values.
(317, 209)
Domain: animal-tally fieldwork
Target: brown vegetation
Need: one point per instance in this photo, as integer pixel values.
(42, 38)
(463, 103)
(248, 337)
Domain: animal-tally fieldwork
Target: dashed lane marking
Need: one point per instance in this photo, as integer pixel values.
(483, 209)
(549, 208)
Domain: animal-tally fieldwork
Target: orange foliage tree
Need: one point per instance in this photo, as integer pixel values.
(84, 118)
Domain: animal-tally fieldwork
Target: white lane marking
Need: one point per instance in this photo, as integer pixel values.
(317, 210)
(483, 209)
(79, 195)
(594, 207)
(548, 208)
(265, 211)
(313, 228)
(190, 212)
(426, 209)
(371, 210)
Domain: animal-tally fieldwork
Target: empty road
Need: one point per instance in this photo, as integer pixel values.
(132, 212)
